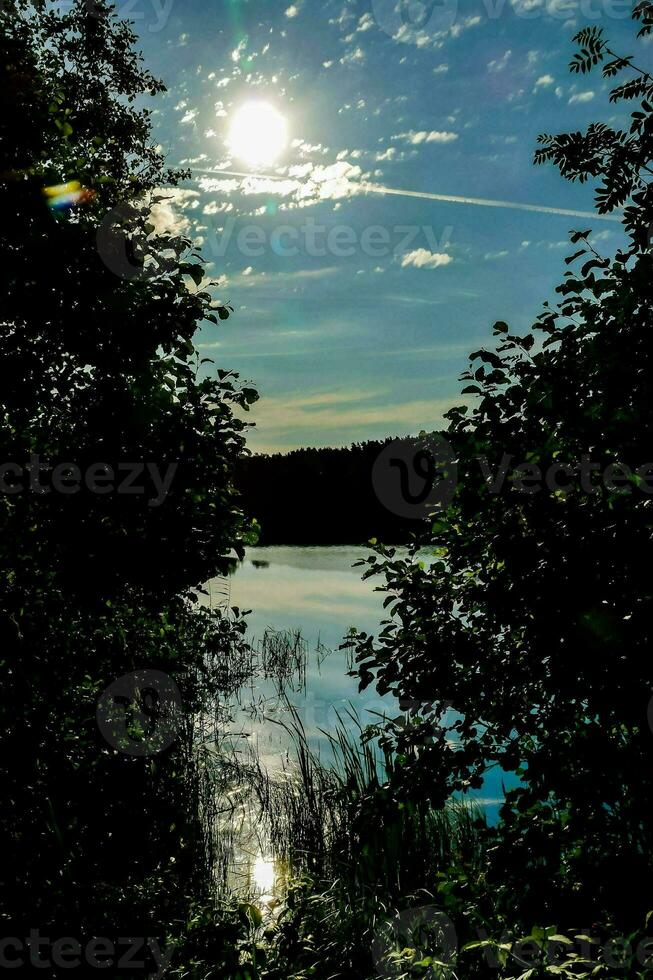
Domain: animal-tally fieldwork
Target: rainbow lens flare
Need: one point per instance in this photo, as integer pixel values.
(62, 196)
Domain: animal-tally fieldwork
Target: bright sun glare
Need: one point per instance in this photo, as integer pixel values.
(258, 134)
(264, 876)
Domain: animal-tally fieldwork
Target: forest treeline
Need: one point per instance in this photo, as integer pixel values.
(320, 496)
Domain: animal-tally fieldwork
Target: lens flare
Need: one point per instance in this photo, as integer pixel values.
(60, 197)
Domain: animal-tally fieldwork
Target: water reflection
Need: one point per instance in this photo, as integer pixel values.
(316, 592)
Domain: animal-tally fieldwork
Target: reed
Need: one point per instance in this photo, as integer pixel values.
(325, 819)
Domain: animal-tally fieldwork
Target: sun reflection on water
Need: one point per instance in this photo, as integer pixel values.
(264, 877)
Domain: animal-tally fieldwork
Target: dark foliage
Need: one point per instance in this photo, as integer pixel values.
(319, 496)
(101, 369)
(524, 642)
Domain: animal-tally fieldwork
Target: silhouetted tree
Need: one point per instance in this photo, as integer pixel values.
(98, 366)
(524, 641)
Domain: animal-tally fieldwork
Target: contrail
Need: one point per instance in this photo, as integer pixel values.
(482, 202)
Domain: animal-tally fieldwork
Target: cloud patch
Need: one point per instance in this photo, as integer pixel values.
(581, 97)
(543, 82)
(416, 138)
(421, 258)
(498, 64)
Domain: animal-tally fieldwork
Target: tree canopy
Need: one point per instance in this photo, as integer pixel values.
(521, 622)
(100, 379)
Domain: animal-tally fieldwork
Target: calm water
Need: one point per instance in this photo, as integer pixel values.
(315, 590)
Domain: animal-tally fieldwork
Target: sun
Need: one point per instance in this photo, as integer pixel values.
(258, 134)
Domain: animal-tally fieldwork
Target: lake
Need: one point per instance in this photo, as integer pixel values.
(314, 590)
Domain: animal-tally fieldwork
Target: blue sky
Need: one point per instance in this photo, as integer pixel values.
(355, 305)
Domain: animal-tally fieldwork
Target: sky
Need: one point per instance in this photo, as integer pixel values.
(324, 138)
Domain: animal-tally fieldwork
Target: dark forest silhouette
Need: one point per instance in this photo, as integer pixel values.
(320, 496)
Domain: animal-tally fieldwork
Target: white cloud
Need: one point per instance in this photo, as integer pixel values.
(237, 53)
(525, 6)
(355, 56)
(218, 207)
(305, 184)
(421, 258)
(581, 97)
(435, 136)
(292, 10)
(441, 69)
(344, 18)
(164, 213)
(190, 116)
(464, 25)
(500, 63)
(492, 256)
(435, 39)
(544, 81)
(219, 186)
(408, 35)
(365, 23)
(308, 149)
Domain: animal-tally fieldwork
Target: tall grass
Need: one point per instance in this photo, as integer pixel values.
(340, 821)
(352, 854)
